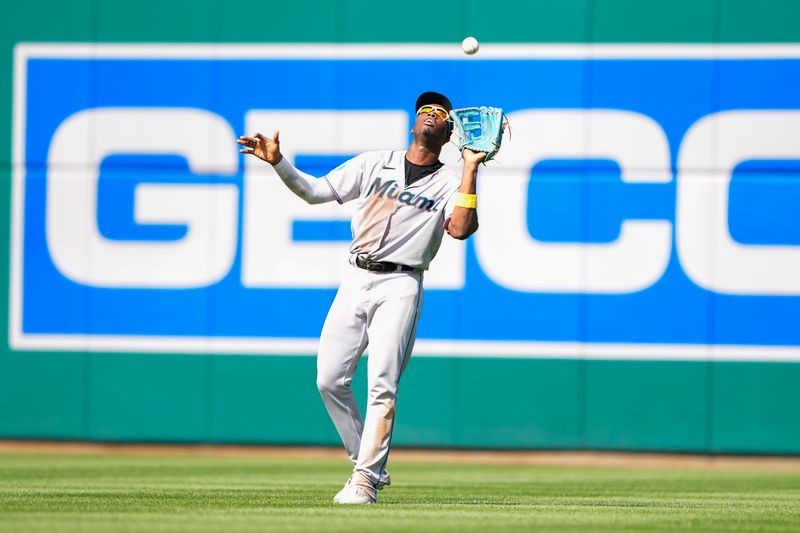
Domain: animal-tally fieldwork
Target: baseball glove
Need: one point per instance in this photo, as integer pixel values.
(480, 129)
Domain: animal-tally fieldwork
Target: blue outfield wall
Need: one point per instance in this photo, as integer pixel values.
(634, 284)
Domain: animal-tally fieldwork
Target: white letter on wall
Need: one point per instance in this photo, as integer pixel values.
(708, 253)
(514, 259)
(201, 257)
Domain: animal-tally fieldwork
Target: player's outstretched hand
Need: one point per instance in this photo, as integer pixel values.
(262, 147)
(471, 157)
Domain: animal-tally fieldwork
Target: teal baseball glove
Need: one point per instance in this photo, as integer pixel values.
(480, 129)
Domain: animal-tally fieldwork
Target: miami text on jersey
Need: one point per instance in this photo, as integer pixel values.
(391, 189)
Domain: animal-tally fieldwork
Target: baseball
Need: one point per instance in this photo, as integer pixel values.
(470, 45)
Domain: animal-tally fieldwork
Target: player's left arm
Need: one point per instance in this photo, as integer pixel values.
(307, 187)
(464, 220)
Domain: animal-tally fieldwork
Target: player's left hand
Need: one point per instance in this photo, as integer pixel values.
(471, 157)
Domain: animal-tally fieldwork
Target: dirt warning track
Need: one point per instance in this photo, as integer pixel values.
(599, 459)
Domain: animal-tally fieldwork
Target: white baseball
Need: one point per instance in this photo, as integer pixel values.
(470, 45)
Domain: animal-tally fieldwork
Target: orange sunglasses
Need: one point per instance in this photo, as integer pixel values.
(439, 111)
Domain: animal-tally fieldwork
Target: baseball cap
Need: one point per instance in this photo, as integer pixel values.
(431, 97)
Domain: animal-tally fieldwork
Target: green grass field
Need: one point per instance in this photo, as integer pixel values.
(111, 493)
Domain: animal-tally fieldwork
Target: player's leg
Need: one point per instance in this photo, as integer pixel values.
(343, 340)
(392, 332)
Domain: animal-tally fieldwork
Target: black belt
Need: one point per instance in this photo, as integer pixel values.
(382, 266)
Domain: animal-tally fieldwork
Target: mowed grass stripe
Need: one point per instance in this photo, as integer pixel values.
(108, 492)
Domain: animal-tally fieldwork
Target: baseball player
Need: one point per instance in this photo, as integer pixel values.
(405, 201)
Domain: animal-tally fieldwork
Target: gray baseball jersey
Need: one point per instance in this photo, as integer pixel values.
(393, 222)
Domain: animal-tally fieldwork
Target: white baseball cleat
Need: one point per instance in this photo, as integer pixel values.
(357, 492)
(357, 495)
(385, 481)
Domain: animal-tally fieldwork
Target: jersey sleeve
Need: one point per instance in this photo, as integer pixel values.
(346, 180)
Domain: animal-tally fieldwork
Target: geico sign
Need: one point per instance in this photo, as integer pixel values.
(506, 251)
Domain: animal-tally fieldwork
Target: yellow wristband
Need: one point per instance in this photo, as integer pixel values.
(470, 201)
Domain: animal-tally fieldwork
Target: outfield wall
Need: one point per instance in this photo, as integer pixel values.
(635, 284)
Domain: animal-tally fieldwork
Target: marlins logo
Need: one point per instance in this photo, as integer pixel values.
(390, 188)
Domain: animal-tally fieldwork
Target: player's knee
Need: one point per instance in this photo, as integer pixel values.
(383, 396)
(325, 386)
(329, 384)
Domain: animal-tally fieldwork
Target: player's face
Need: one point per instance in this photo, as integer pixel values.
(432, 121)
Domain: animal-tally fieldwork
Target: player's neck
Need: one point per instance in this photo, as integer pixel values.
(421, 154)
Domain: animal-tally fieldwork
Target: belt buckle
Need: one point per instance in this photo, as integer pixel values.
(371, 266)
(378, 266)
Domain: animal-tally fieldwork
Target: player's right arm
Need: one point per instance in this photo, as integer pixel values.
(307, 187)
